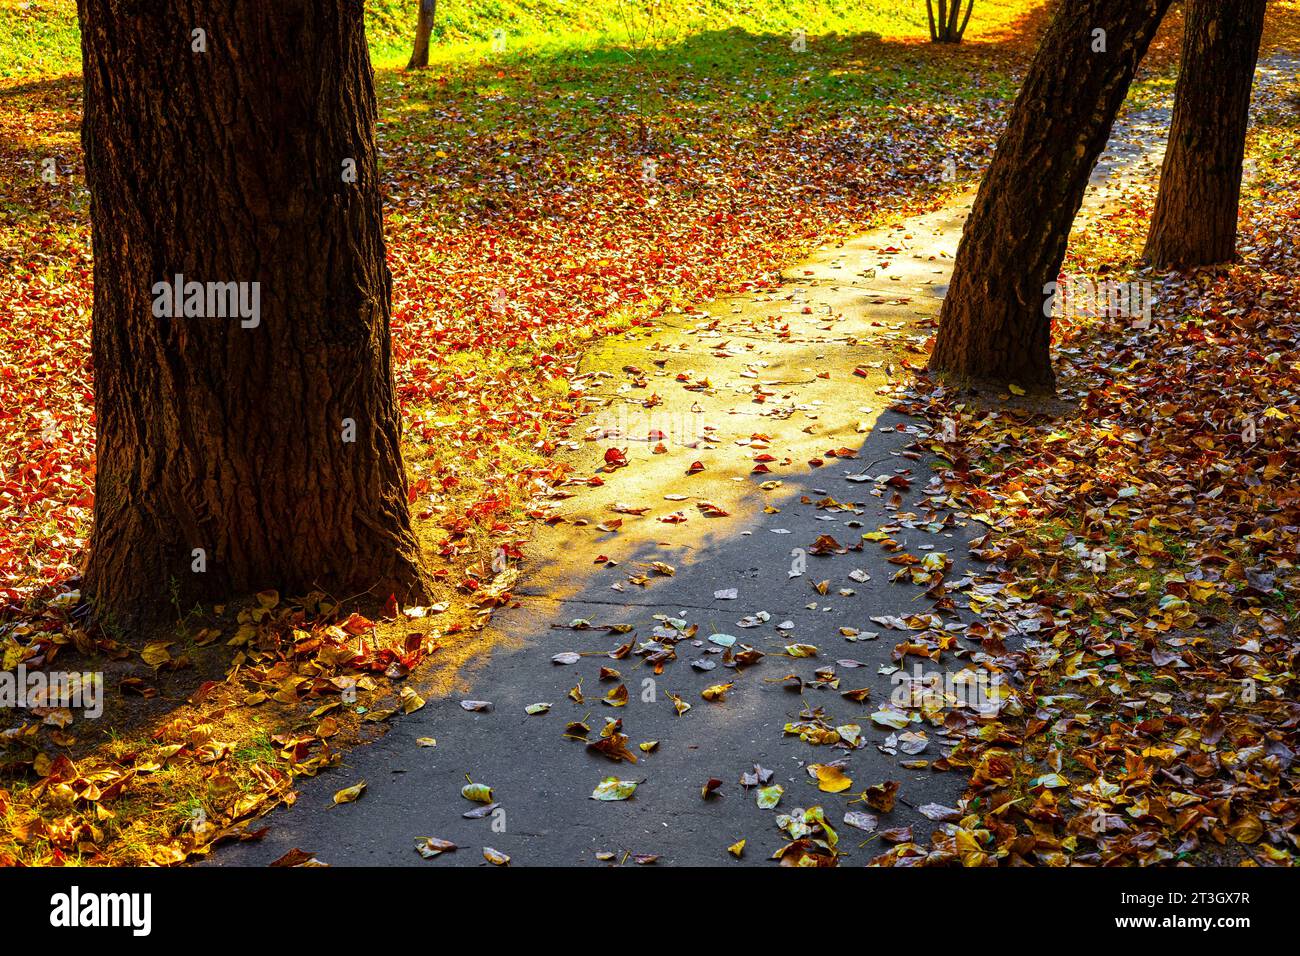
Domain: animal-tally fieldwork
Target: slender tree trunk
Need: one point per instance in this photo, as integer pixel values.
(949, 26)
(1195, 220)
(953, 15)
(993, 327)
(423, 31)
(961, 31)
(220, 138)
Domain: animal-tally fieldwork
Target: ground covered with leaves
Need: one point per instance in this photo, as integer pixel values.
(536, 202)
(1147, 544)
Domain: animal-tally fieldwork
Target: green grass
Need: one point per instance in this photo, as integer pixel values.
(257, 748)
(468, 26)
(699, 72)
(40, 37)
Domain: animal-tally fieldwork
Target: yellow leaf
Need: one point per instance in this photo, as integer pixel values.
(349, 794)
(155, 653)
(411, 701)
(717, 691)
(831, 779)
(1247, 829)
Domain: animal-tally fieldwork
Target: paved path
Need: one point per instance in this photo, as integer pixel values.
(775, 346)
(807, 367)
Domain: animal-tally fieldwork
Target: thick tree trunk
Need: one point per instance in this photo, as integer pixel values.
(1195, 221)
(993, 327)
(224, 156)
(423, 31)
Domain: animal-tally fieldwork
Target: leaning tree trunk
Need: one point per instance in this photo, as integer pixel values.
(423, 31)
(1195, 221)
(993, 327)
(233, 142)
(956, 22)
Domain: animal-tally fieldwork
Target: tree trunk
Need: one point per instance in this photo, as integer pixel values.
(993, 327)
(953, 20)
(219, 139)
(423, 31)
(1195, 220)
(948, 26)
(965, 22)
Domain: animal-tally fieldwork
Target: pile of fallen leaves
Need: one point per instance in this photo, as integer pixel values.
(303, 681)
(1141, 582)
(1139, 588)
(517, 244)
(525, 217)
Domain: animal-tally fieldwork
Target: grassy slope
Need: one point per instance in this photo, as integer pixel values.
(40, 37)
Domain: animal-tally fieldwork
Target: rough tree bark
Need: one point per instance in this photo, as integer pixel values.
(993, 328)
(218, 139)
(1195, 220)
(423, 31)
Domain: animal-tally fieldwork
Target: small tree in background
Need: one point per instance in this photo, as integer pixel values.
(649, 27)
(423, 31)
(948, 25)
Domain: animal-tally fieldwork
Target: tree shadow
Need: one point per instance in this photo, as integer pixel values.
(543, 778)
